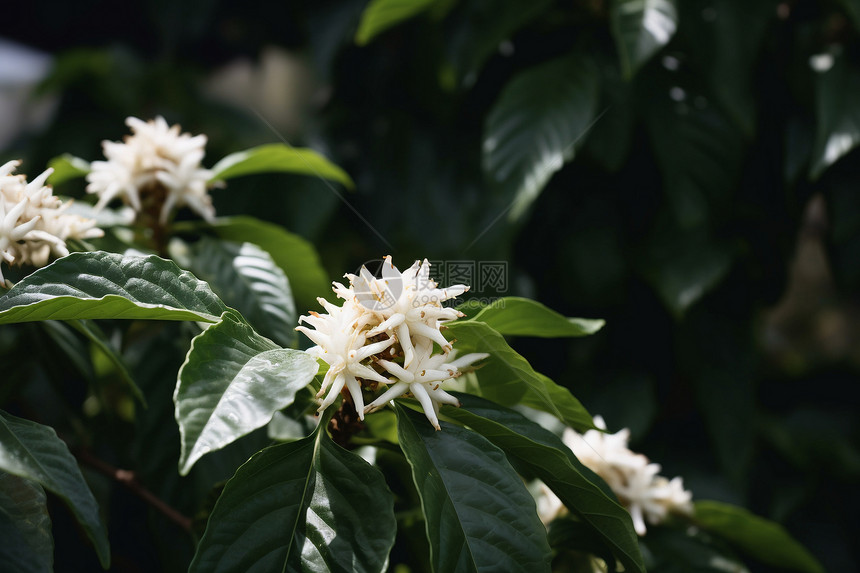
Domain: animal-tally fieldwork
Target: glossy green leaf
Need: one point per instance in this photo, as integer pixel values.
(67, 167)
(296, 256)
(232, 382)
(479, 515)
(546, 455)
(687, 550)
(108, 285)
(307, 505)
(508, 379)
(25, 526)
(281, 158)
(759, 538)
(249, 280)
(33, 451)
(381, 15)
(516, 316)
(530, 133)
(837, 112)
(640, 29)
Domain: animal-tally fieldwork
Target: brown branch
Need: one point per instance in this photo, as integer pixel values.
(128, 479)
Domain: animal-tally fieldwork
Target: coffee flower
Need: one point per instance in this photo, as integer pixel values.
(33, 225)
(646, 495)
(384, 333)
(156, 165)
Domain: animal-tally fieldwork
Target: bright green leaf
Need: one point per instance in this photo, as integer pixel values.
(108, 285)
(296, 256)
(25, 526)
(515, 316)
(249, 280)
(641, 28)
(281, 158)
(33, 451)
(383, 14)
(307, 505)
(67, 167)
(479, 515)
(546, 455)
(759, 538)
(232, 382)
(530, 133)
(508, 379)
(837, 112)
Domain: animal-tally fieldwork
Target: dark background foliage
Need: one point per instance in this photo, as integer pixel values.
(701, 216)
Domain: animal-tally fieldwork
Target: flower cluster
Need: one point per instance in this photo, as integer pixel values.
(386, 332)
(157, 165)
(33, 224)
(648, 496)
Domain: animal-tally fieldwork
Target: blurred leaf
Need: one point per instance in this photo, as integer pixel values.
(837, 112)
(479, 515)
(508, 379)
(553, 462)
(383, 14)
(232, 382)
(94, 334)
(516, 316)
(33, 451)
(674, 550)
(308, 505)
(67, 167)
(760, 538)
(25, 526)
(250, 281)
(530, 134)
(609, 139)
(479, 26)
(278, 157)
(296, 256)
(641, 28)
(108, 285)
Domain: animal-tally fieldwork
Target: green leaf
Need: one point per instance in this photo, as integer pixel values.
(759, 538)
(307, 505)
(232, 382)
(553, 462)
(508, 379)
(515, 316)
(479, 27)
(108, 285)
(33, 451)
(281, 158)
(479, 515)
(837, 112)
(530, 133)
(94, 334)
(25, 526)
(249, 280)
(67, 167)
(296, 256)
(687, 550)
(383, 14)
(641, 28)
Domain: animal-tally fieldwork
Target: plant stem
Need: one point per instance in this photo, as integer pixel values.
(128, 479)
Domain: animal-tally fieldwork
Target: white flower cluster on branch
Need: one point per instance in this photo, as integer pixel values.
(648, 496)
(156, 165)
(33, 225)
(386, 332)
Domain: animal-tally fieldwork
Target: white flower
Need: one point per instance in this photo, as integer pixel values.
(157, 163)
(648, 496)
(407, 304)
(342, 344)
(32, 222)
(357, 340)
(423, 379)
